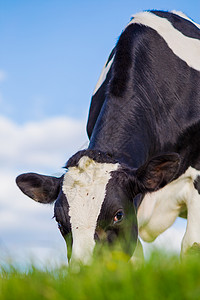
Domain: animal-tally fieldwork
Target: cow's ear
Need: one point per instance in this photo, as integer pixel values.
(41, 188)
(157, 172)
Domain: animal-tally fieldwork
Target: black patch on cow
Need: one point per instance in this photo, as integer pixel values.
(123, 59)
(138, 200)
(98, 99)
(127, 42)
(119, 196)
(184, 26)
(161, 100)
(61, 214)
(188, 146)
(98, 156)
(97, 103)
(197, 184)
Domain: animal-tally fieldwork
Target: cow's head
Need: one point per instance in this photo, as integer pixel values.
(94, 199)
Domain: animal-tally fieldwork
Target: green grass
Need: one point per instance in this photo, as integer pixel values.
(161, 277)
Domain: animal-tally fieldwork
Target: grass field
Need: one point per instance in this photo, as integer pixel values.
(161, 277)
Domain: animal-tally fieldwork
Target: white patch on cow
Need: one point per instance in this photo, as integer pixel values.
(85, 189)
(184, 47)
(159, 210)
(103, 75)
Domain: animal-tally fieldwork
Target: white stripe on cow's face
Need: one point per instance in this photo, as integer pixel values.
(85, 189)
(103, 75)
(184, 47)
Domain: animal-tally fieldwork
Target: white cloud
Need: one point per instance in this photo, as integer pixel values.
(44, 145)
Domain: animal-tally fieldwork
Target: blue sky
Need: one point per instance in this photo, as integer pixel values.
(51, 55)
(52, 52)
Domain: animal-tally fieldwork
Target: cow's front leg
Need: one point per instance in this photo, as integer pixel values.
(191, 239)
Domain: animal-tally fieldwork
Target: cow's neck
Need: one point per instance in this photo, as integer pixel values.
(129, 139)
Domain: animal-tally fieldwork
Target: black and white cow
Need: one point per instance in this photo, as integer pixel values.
(144, 130)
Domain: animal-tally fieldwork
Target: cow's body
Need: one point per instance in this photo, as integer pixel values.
(146, 103)
(162, 101)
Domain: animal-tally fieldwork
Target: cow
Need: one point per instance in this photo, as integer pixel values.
(141, 169)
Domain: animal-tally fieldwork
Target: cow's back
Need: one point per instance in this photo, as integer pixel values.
(149, 94)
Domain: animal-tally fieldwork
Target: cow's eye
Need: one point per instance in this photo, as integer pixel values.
(118, 217)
